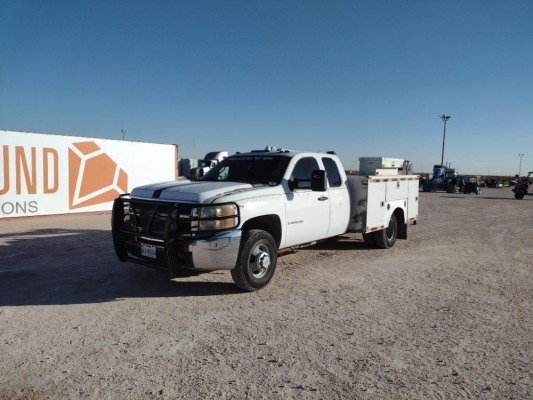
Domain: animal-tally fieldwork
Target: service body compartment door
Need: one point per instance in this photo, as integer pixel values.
(397, 189)
(376, 205)
(412, 202)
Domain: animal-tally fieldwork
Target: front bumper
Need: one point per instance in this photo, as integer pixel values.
(161, 245)
(217, 252)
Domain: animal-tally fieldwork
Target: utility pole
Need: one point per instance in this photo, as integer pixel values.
(445, 118)
(520, 165)
(123, 133)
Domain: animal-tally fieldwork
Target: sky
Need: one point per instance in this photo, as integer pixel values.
(360, 77)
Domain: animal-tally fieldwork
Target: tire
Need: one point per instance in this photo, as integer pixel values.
(386, 238)
(519, 195)
(117, 218)
(120, 247)
(256, 261)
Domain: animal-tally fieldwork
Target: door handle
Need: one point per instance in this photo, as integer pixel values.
(322, 198)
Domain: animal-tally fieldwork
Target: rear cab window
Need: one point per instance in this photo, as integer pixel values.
(332, 171)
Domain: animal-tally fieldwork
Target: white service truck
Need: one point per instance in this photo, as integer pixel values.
(250, 205)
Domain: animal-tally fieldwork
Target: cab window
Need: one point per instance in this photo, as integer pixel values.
(301, 174)
(332, 171)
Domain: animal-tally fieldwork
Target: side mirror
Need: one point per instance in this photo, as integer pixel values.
(319, 181)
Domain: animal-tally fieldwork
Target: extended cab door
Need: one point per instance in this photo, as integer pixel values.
(307, 212)
(339, 199)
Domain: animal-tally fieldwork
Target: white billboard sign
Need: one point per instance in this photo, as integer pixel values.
(44, 174)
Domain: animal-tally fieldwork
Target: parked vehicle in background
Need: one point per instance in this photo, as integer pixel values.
(493, 183)
(250, 205)
(472, 185)
(521, 188)
(442, 179)
(208, 162)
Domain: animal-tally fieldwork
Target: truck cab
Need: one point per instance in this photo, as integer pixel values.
(442, 179)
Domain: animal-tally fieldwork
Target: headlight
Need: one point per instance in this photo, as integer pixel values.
(213, 218)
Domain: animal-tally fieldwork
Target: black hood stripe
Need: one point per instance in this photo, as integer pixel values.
(157, 193)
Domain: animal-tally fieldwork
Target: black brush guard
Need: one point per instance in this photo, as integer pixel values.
(162, 224)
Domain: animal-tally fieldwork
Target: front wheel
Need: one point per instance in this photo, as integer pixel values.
(386, 238)
(117, 220)
(256, 261)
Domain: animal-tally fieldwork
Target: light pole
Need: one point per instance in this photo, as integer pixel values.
(123, 133)
(520, 165)
(445, 118)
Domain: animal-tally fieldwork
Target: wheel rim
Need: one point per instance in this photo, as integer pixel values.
(390, 231)
(259, 261)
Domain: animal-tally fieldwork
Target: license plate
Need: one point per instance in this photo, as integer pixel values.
(148, 250)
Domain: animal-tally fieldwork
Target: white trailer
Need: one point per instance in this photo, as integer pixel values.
(43, 174)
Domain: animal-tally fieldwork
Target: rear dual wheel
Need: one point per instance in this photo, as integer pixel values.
(385, 238)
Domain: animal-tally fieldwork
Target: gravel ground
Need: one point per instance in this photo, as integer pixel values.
(444, 315)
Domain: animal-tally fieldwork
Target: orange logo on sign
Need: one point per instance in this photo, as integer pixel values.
(94, 177)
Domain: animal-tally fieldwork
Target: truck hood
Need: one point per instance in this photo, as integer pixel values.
(189, 192)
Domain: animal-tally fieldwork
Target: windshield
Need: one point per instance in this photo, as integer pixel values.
(249, 169)
(204, 163)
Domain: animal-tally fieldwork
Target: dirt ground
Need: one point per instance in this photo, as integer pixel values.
(446, 314)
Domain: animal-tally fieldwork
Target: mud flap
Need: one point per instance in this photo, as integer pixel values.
(369, 239)
(402, 231)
